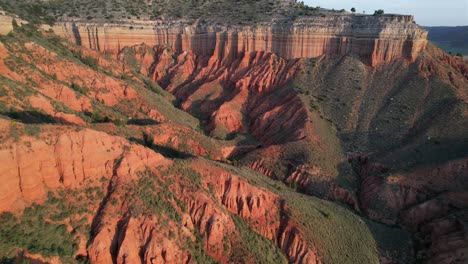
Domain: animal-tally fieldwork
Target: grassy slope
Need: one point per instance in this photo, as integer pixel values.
(340, 235)
(385, 116)
(155, 97)
(42, 229)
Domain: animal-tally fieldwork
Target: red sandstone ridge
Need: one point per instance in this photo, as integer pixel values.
(195, 196)
(228, 89)
(264, 212)
(390, 37)
(64, 159)
(431, 201)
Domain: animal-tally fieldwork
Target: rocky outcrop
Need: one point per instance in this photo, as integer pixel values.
(67, 159)
(422, 201)
(264, 212)
(232, 94)
(446, 239)
(377, 39)
(6, 23)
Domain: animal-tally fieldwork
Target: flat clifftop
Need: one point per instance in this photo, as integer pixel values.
(376, 39)
(221, 11)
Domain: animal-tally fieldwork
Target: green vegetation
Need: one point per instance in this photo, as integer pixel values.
(36, 235)
(379, 12)
(253, 246)
(119, 122)
(247, 11)
(33, 232)
(32, 130)
(98, 117)
(90, 61)
(33, 11)
(197, 248)
(78, 88)
(148, 139)
(43, 229)
(152, 196)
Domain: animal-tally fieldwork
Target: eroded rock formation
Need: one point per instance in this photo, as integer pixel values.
(377, 39)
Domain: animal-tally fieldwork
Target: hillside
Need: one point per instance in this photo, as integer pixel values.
(219, 11)
(316, 138)
(67, 99)
(450, 39)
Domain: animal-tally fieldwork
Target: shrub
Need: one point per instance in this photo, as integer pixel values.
(78, 88)
(148, 139)
(90, 61)
(328, 215)
(14, 24)
(292, 185)
(32, 130)
(49, 20)
(98, 118)
(379, 12)
(119, 122)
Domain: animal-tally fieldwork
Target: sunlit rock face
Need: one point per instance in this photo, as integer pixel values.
(376, 39)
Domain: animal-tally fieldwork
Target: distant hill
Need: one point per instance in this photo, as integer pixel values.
(451, 39)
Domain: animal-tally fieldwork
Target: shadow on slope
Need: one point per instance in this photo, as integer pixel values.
(30, 117)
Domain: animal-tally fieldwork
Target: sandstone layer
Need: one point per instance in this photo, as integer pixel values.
(6, 23)
(377, 39)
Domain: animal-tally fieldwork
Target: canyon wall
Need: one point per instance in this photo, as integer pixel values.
(376, 39)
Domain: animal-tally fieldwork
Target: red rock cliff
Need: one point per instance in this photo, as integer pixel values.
(376, 39)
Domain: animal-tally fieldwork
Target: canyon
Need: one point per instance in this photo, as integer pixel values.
(328, 138)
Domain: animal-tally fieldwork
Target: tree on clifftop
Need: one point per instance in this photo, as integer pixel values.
(353, 10)
(378, 12)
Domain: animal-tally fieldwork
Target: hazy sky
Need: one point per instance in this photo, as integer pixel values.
(426, 12)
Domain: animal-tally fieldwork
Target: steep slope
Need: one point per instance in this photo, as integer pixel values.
(358, 109)
(405, 129)
(391, 110)
(376, 39)
(98, 166)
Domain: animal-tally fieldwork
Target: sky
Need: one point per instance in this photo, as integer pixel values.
(426, 12)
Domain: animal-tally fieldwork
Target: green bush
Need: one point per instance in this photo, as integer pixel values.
(78, 88)
(96, 117)
(148, 139)
(378, 12)
(32, 130)
(90, 61)
(34, 234)
(119, 122)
